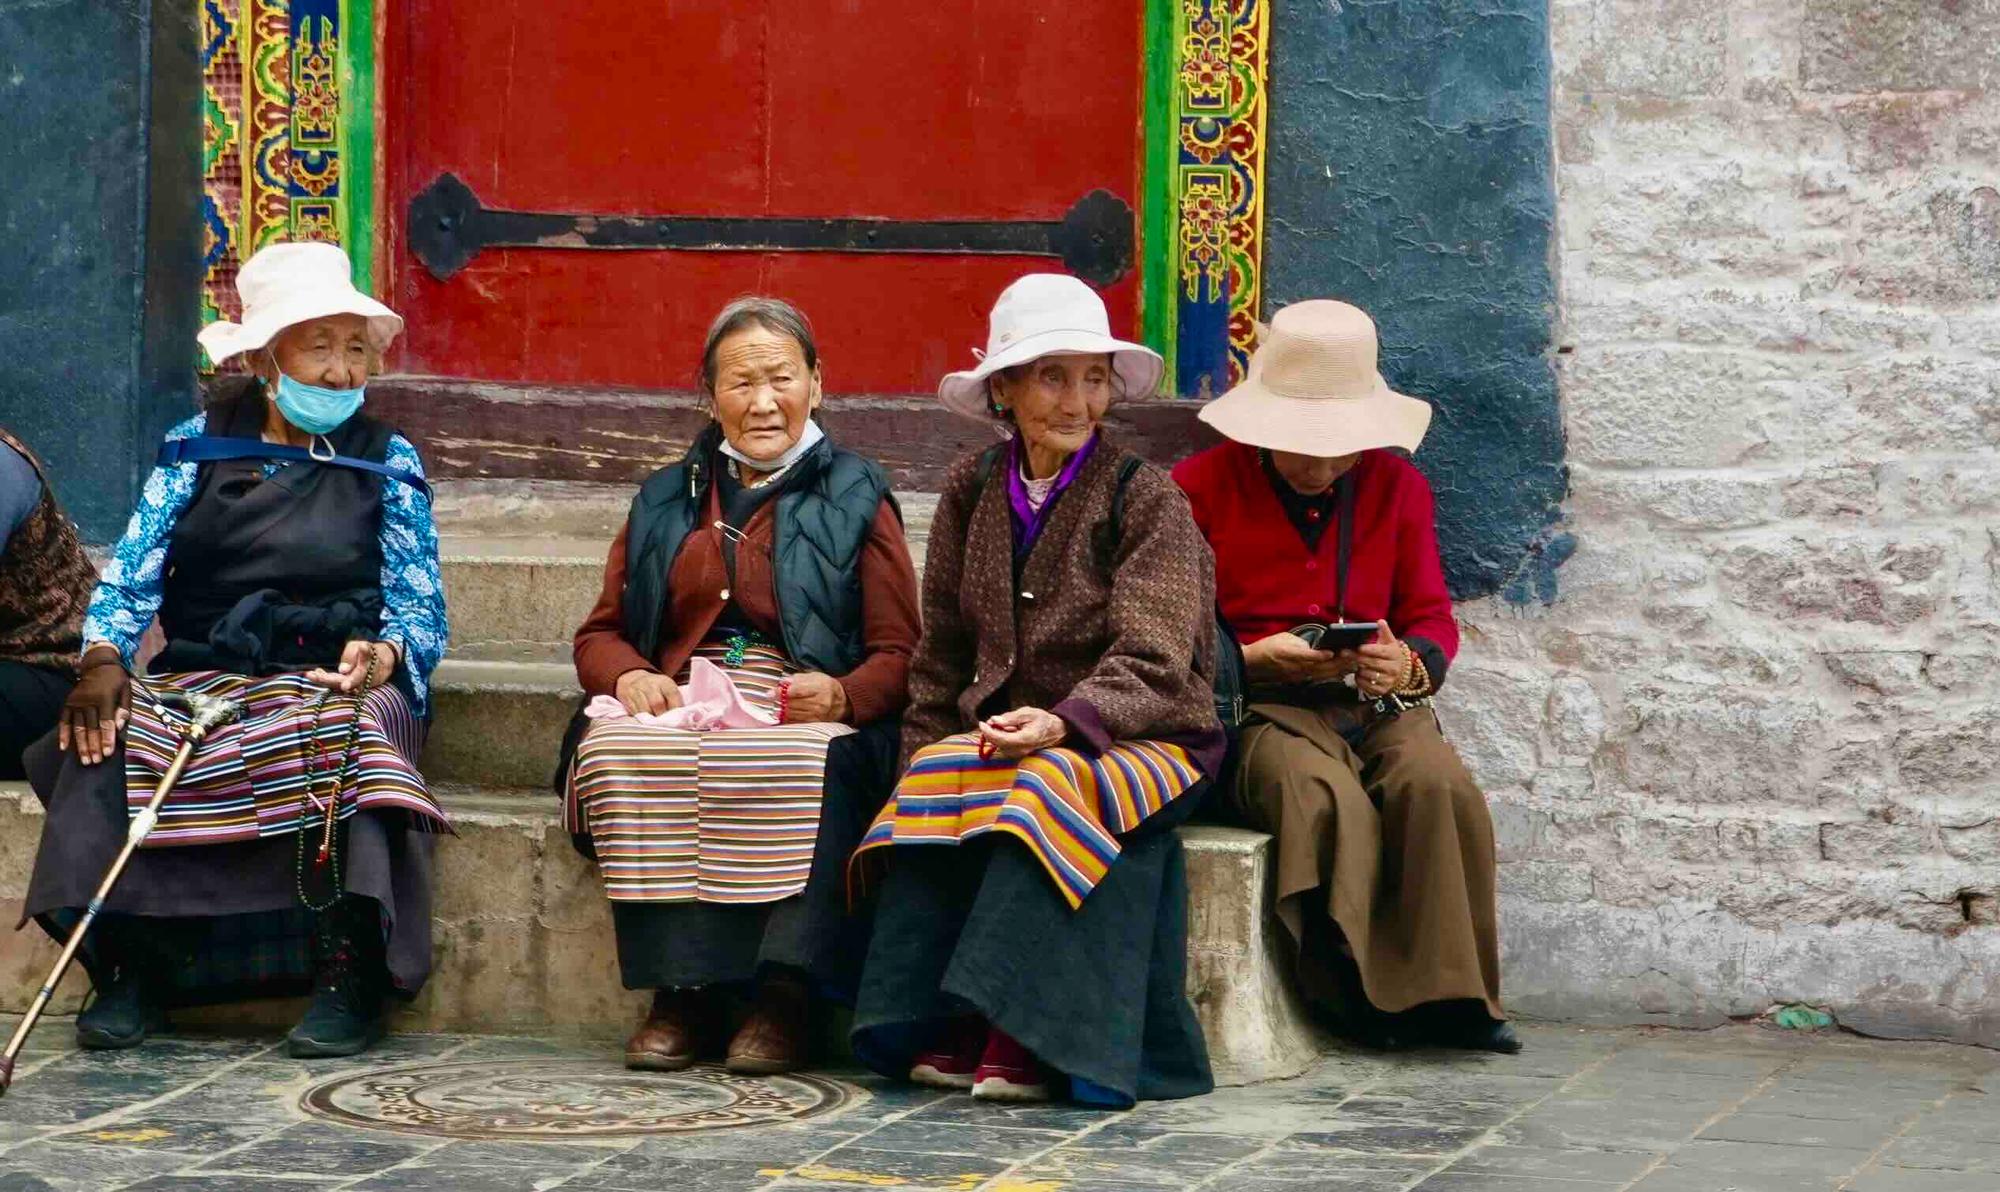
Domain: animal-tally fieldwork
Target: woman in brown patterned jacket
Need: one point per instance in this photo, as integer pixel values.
(45, 585)
(1031, 936)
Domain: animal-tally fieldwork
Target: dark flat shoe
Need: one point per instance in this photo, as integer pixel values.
(1483, 1034)
(122, 1016)
(1501, 1038)
(340, 1021)
(304, 1044)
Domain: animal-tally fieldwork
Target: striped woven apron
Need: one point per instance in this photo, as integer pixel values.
(726, 816)
(1067, 808)
(250, 778)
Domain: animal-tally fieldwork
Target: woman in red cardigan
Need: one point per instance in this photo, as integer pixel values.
(1385, 847)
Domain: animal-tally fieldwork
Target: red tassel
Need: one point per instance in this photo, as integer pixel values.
(322, 853)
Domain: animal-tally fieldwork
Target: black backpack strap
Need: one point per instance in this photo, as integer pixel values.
(989, 465)
(989, 461)
(1113, 531)
(1126, 471)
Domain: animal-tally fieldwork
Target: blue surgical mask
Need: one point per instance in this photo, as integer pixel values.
(315, 410)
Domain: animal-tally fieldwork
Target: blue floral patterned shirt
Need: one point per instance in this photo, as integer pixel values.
(129, 592)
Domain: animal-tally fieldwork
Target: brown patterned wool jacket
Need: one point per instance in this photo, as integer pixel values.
(1120, 652)
(45, 583)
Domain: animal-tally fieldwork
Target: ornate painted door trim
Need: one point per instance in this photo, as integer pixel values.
(1206, 74)
(288, 133)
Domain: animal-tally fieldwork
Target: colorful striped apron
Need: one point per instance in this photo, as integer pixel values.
(725, 816)
(1067, 808)
(249, 778)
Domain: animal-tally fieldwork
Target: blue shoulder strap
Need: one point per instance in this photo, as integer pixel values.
(203, 448)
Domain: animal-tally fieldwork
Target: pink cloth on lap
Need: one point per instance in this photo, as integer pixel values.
(710, 700)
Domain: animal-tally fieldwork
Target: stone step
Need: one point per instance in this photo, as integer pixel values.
(524, 942)
(499, 722)
(531, 508)
(505, 593)
(523, 561)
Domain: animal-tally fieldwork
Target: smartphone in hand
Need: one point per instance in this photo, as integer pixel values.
(1335, 637)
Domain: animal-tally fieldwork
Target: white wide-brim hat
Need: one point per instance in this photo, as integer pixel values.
(1048, 314)
(1313, 388)
(283, 285)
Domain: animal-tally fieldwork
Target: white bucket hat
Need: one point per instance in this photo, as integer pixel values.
(1313, 388)
(1045, 314)
(286, 284)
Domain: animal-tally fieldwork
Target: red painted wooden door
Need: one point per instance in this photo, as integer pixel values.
(903, 109)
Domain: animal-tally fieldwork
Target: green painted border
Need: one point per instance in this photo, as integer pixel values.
(1159, 324)
(357, 137)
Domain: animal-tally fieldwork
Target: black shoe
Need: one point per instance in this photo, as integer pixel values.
(1476, 1032)
(121, 1016)
(345, 1017)
(1495, 1036)
(342, 1020)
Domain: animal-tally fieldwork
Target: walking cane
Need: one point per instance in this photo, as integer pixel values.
(205, 713)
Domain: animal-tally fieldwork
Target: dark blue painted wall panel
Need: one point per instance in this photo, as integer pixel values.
(1411, 173)
(99, 239)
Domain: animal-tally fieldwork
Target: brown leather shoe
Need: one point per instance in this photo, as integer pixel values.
(665, 1041)
(772, 1039)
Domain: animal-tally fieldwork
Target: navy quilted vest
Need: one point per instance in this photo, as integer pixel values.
(822, 525)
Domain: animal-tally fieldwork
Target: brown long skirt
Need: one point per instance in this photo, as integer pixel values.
(1389, 839)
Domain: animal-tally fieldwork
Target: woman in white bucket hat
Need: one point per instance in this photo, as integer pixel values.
(1060, 722)
(286, 545)
(1318, 518)
(1048, 315)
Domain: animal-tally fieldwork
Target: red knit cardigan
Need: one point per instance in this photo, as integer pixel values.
(1266, 579)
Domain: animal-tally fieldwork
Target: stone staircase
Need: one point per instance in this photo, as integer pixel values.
(523, 933)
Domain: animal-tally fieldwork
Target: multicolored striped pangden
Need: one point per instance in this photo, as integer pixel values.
(724, 816)
(248, 779)
(1068, 809)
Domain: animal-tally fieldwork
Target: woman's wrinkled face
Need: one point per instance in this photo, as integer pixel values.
(332, 352)
(1311, 474)
(764, 393)
(1057, 401)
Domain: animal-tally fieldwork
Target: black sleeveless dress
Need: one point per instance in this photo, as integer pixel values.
(222, 922)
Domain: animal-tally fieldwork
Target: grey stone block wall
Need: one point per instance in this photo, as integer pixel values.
(1747, 756)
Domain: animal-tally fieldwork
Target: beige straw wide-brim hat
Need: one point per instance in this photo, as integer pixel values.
(1048, 314)
(284, 285)
(1313, 388)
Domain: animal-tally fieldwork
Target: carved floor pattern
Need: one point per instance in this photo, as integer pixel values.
(567, 1099)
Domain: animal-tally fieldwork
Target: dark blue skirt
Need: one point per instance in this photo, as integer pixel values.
(1098, 993)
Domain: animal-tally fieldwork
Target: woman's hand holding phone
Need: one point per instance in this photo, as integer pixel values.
(1286, 658)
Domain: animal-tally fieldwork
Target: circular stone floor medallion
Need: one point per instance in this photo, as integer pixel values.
(556, 1099)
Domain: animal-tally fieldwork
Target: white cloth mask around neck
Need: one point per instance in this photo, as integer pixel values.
(807, 441)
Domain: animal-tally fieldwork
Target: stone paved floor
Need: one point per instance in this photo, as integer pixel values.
(1651, 1111)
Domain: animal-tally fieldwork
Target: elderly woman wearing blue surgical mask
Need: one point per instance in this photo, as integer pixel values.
(285, 544)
